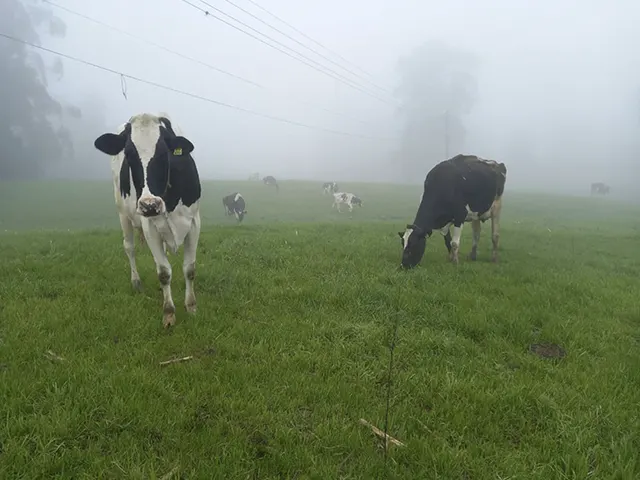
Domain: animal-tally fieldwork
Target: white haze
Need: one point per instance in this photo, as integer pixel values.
(558, 84)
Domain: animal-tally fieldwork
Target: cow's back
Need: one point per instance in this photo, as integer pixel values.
(464, 180)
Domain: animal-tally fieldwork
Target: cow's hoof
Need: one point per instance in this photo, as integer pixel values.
(191, 308)
(494, 259)
(169, 320)
(473, 256)
(136, 284)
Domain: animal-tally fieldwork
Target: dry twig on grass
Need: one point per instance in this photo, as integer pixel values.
(52, 356)
(173, 471)
(381, 434)
(176, 360)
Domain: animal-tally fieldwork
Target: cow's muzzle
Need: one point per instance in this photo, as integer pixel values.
(150, 207)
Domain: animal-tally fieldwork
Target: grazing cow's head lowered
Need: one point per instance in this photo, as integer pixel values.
(149, 144)
(414, 243)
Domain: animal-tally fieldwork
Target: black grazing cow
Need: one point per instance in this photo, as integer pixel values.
(465, 188)
(269, 180)
(599, 188)
(234, 205)
(329, 187)
(157, 190)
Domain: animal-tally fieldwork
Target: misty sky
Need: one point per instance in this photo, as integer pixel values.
(558, 98)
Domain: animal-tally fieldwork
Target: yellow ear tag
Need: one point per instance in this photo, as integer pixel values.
(177, 152)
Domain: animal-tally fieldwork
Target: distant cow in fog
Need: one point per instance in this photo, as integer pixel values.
(271, 181)
(343, 198)
(234, 205)
(599, 188)
(329, 187)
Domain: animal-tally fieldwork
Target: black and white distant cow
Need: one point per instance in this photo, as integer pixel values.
(234, 205)
(599, 188)
(270, 181)
(343, 198)
(329, 187)
(157, 190)
(465, 188)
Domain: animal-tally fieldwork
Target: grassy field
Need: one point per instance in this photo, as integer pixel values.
(297, 309)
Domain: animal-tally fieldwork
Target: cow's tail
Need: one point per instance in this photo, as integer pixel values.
(277, 187)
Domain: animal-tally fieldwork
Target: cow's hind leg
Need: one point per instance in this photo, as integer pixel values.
(476, 226)
(163, 268)
(495, 229)
(129, 249)
(189, 265)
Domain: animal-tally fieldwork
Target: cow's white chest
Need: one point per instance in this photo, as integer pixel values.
(174, 227)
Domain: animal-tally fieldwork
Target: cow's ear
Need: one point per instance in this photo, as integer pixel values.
(180, 146)
(110, 143)
(401, 234)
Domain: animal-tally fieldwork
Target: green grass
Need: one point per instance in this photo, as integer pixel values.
(296, 310)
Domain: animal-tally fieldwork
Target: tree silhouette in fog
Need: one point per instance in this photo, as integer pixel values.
(28, 137)
(437, 88)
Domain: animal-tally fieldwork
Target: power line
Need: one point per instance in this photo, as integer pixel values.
(307, 61)
(178, 54)
(308, 37)
(303, 45)
(188, 94)
(335, 75)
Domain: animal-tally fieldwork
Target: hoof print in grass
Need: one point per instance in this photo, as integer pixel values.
(548, 350)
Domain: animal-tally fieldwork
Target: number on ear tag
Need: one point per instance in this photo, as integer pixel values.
(177, 152)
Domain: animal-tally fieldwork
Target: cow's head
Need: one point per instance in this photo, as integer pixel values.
(356, 201)
(149, 144)
(414, 242)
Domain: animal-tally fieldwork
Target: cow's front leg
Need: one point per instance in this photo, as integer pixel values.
(163, 268)
(129, 249)
(455, 241)
(189, 265)
(476, 226)
(446, 233)
(447, 243)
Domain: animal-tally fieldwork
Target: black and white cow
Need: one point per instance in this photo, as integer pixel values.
(465, 188)
(600, 188)
(157, 190)
(343, 198)
(329, 187)
(270, 181)
(234, 205)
